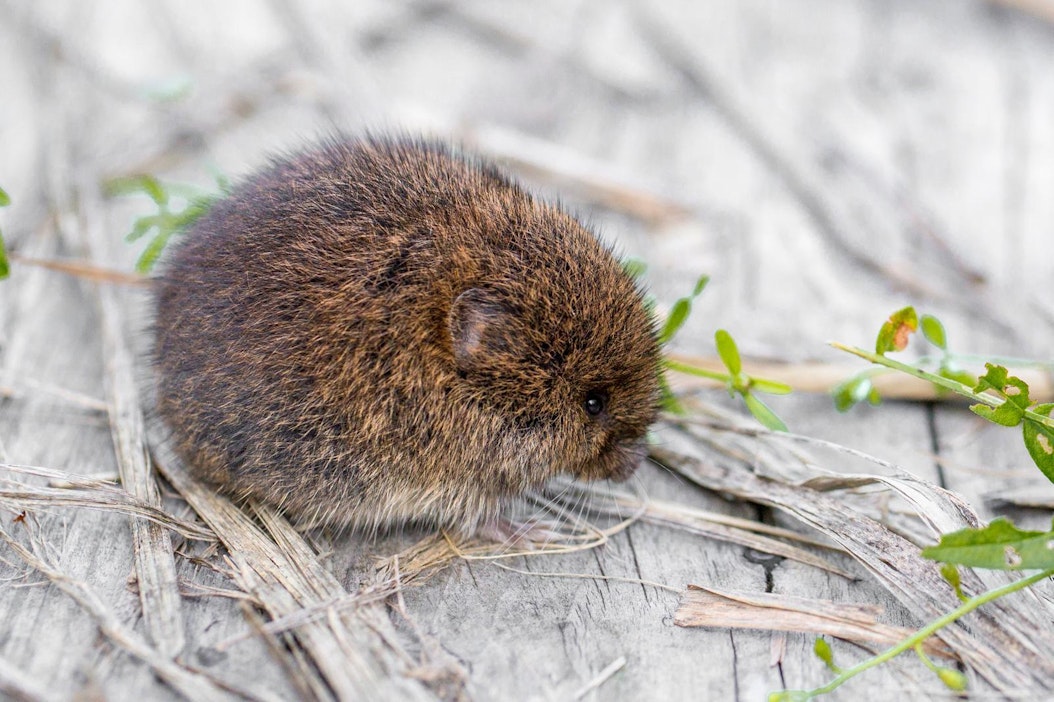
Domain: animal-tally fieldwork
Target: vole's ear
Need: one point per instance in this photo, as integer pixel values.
(478, 326)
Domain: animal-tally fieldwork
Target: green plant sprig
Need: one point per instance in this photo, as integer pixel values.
(5, 267)
(914, 641)
(1009, 406)
(736, 381)
(946, 383)
(167, 221)
(999, 397)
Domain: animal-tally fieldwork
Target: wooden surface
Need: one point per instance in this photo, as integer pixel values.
(825, 161)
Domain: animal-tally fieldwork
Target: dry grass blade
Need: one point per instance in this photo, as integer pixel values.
(89, 493)
(83, 269)
(189, 684)
(24, 386)
(707, 607)
(602, 677)
(155, 564)
(941, 510)
(297, 667)
(286, 577)
(1008, 650)
(742, 532)
(424, 559)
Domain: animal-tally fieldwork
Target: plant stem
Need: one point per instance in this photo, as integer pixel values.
(926, 631)
(694, 370)
(945, 383)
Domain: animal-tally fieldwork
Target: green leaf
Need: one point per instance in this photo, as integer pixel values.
(1039, 440)
(5, 267)
(950, 572)
(999, 546)
(144, 225)
(675, 320)
(933, 330)
(223, 182)
(763, 414)
(1007, 414)
(1011, 387)
(852, 392)
(822, 649)
(700, 285)
(680, 311)
(726, 349)
(153, 251)
(894, 334)
(952, 679)
(994, 378)
(194, 210)
(696, 371)
(147, 184)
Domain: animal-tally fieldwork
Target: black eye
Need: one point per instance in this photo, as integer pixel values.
(595, 402)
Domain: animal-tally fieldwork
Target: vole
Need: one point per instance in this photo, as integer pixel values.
(382, 330)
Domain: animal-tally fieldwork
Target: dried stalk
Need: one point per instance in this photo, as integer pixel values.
(285, 576)
(189, 684)
(706, 607)
(155, 564)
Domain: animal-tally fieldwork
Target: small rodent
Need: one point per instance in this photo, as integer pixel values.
(380, 330)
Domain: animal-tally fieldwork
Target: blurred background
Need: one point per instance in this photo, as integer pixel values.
(825, 161)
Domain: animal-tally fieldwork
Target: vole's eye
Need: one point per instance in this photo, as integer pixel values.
(596, 402)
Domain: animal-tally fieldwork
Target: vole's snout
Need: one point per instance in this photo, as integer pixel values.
(617, 462)
(628, 455)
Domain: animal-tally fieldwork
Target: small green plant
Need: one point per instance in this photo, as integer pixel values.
(167, 221)
(736, 381)
(894, 336)
(999, 397)
(981, 548)
(5, 267)
(1002, 399)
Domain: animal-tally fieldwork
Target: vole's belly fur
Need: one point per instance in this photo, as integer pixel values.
(304, 353)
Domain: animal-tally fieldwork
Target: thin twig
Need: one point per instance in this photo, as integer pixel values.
(602, 677)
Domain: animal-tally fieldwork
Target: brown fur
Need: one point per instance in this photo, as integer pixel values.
(378, 330)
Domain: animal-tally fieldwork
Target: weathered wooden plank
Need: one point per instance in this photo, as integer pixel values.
(850, 145)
